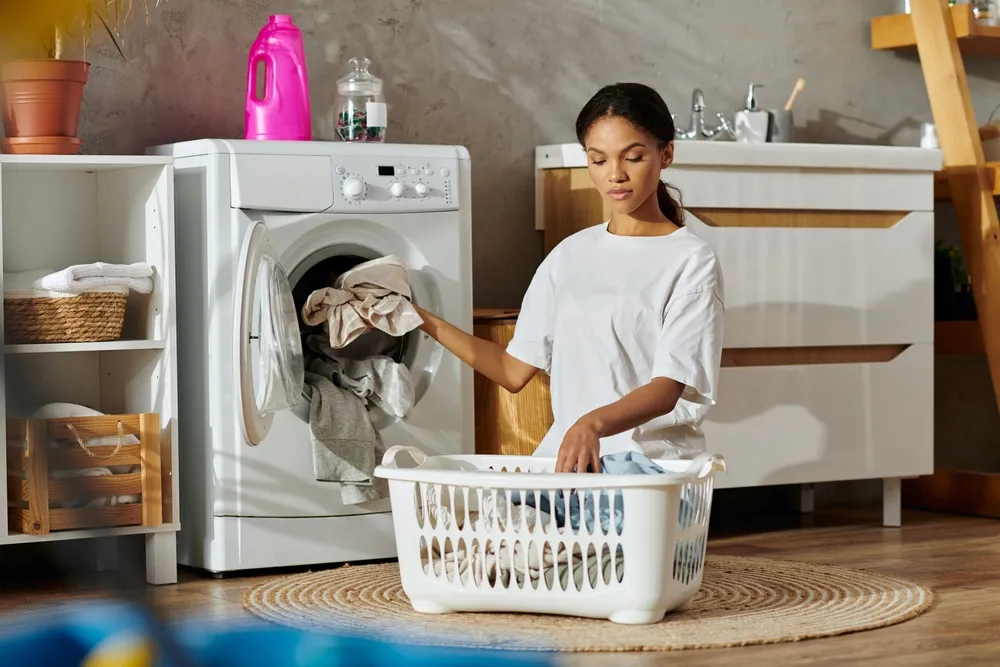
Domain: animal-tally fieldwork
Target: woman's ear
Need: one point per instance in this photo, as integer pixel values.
(667, 155)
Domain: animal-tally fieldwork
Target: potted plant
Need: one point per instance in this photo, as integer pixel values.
(41, 89)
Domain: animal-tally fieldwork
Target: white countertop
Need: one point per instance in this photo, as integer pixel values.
(794, 155)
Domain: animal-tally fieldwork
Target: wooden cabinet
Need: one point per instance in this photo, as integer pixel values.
(510, 424)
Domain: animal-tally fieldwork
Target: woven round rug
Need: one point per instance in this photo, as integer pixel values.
(742, 601)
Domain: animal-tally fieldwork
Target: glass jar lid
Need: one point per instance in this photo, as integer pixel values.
(359, 79)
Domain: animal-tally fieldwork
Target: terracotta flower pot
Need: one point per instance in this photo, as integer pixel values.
(41, 98)
(40, 145)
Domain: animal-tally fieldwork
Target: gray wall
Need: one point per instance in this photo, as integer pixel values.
(501, 76)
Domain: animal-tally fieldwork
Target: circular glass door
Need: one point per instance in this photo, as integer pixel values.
(270, 363)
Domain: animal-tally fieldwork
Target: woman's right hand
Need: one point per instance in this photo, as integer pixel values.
(580, 450)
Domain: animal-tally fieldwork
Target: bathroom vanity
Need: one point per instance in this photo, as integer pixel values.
(828, 258)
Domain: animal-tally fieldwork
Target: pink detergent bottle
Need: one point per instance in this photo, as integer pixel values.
(282, 113)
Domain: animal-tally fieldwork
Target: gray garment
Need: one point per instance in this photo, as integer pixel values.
(346, 446)
(378, 378)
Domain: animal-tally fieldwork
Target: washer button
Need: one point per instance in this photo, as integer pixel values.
(428, 171)
(400, 171)
(445, 172)
(340, 169)
(414, 172)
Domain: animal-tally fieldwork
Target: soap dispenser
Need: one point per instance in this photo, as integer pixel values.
(751, 122)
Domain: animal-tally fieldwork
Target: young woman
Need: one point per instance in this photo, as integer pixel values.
(626, 317)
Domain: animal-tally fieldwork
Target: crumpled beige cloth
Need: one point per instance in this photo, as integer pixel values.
(374, 294)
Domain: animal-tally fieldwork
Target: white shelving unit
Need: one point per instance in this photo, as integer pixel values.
(61, 210)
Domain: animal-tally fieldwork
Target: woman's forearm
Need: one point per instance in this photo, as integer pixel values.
(486, 357)
(636, 408)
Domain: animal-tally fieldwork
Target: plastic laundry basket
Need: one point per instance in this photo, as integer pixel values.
(505, 533)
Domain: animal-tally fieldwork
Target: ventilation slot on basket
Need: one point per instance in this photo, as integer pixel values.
(418, 506)
(477, 563)
(578, 567)
(692, 522)
(449, 559)
(533, 555)
(546, 572)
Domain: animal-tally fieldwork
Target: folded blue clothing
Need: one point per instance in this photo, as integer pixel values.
(620, 463)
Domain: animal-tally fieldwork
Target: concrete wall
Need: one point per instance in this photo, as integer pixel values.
(501, 76)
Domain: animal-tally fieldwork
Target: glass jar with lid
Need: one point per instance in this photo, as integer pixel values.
(360, 106)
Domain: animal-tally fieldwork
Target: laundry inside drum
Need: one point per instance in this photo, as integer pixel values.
(321, 271)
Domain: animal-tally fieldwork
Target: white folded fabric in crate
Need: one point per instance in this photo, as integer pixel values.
(64, 410)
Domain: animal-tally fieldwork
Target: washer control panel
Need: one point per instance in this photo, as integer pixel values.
(394, 185)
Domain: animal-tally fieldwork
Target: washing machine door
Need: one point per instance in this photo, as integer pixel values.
(270, 365)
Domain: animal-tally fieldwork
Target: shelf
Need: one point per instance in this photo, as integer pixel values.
(109, 346)
(116, 531)
(942, 190)
(80, 162)
(895, 31)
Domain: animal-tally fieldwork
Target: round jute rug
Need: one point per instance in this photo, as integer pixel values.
(742, 601)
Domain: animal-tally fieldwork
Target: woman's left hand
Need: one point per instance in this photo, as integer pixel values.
(580, 450)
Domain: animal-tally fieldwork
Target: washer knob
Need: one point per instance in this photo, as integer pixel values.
(421, 189)
(354, 188)
(397, 190)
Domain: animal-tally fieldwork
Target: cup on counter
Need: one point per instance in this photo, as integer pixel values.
(781, 126)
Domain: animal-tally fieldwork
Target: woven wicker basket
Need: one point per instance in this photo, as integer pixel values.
(89, 317)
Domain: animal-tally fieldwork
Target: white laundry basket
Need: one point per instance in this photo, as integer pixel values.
(483, 534)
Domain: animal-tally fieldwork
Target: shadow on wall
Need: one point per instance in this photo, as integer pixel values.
(834, 127)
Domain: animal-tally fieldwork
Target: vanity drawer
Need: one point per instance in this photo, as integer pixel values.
(805, 278)
(824, 418)
(797, 188)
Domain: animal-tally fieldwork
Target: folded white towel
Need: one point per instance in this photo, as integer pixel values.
(88, 277)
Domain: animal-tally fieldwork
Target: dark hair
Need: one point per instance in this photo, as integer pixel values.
(645, 109)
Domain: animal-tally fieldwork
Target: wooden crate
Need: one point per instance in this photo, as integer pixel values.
(508, 424)
(34, 484)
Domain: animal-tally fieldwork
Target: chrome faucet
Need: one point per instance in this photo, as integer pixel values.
(697, 129)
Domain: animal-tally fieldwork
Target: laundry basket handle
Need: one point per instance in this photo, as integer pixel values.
(389, 458)
(706, 464)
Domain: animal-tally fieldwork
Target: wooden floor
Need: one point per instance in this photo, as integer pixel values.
(957, 557)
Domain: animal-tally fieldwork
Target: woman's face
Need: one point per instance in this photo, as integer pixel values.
(625, 163)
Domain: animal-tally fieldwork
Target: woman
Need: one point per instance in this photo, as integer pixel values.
(627, 316)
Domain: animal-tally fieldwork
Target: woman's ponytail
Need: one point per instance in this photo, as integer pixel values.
(669, 205)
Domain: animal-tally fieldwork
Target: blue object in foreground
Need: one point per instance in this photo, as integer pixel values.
(70, 634)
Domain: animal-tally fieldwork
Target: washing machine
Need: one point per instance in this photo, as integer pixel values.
(259, 225)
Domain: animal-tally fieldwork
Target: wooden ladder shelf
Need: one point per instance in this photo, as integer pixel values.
(941, 35)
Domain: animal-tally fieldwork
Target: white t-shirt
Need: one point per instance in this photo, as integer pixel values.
(604, 314)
